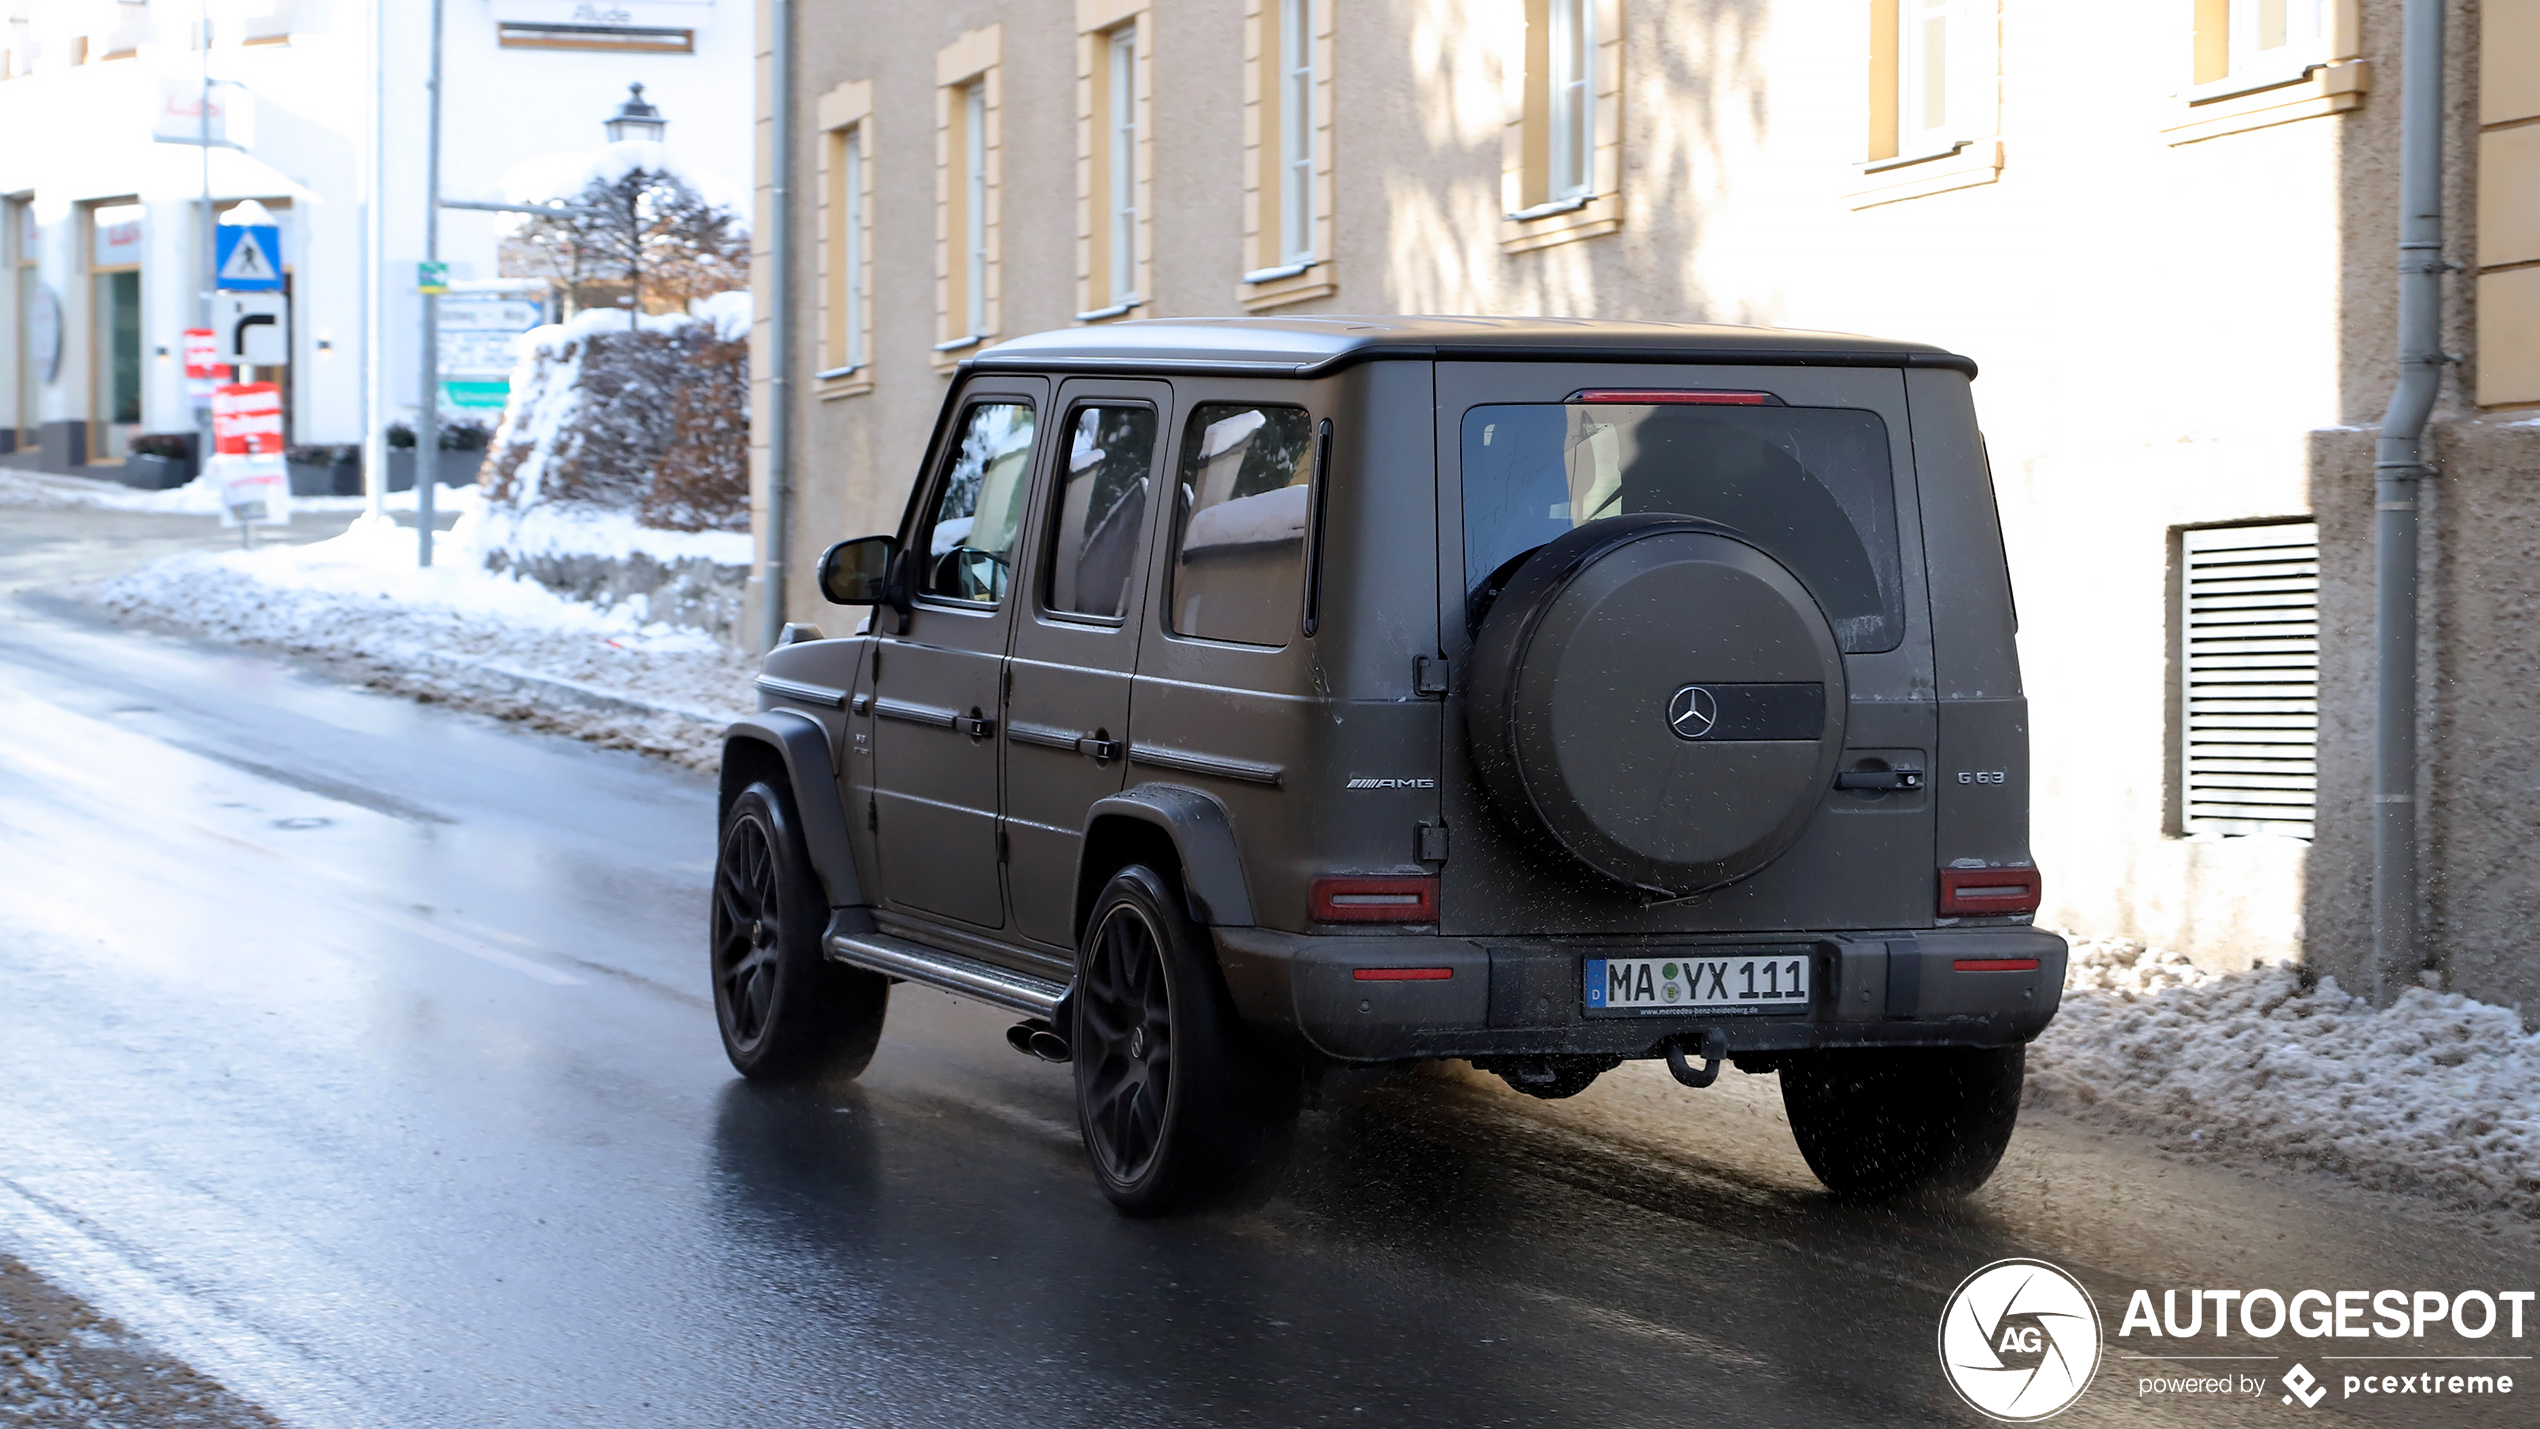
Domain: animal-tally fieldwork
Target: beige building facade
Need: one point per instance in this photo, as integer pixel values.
(2166, 232)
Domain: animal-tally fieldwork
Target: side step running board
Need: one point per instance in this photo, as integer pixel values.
(969, 977)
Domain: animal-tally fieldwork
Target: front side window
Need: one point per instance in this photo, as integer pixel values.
(1245, 498)
(969, 545)
(1101, 504)
(1812, 486)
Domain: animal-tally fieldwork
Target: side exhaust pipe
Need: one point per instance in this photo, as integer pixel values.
(1035, 1037)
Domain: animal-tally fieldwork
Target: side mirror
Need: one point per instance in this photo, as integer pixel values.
(858, 572)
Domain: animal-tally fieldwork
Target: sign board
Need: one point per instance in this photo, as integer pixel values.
(116, 236)
(432, 278)
(203, 367)
(186, 115)
(251, 328)
(250, 258)
(247, 464)
(479, 339)
(606, 14)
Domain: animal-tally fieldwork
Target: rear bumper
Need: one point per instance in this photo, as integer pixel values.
(1946, 987)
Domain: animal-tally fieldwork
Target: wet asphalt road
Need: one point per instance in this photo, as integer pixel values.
(360, 1053)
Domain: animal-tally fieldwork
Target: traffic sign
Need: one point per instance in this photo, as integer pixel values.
(252, 328)
(250, 258)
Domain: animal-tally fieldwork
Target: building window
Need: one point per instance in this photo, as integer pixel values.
(966, 191)
(116, 247)
(2242, 44)
(1934, 99)
(24, 249)
(2508, 226)
(2249, 678)
(1287, 153)
(846, 236)
(1114, 72)
(1561, 164)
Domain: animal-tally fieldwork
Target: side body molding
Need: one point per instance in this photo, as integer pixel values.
(799, 740)
(1201, 833)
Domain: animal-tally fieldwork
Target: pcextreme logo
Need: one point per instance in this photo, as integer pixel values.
(2019, 1340)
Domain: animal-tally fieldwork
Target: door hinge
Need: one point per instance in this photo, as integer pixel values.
(872, 817)
(1429, 843)
(1002, 846)
(1428, 675)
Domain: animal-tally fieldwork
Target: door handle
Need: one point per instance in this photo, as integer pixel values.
(975, 724)
(1879, 780)
(1101, 751)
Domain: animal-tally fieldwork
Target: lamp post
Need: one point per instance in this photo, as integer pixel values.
(428, 413)
(635, 119)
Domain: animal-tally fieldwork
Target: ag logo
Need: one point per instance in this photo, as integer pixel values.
(2305, 1385)
(2020, 1340)
(1693, 712)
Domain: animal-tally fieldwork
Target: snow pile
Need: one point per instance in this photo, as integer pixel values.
(2434, 1095)
(621, 469)
(460, 633)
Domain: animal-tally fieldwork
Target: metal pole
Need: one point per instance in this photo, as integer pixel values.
(780, 326)
(375, 282)
(2398, 471)
(428, 412)
(211, 233)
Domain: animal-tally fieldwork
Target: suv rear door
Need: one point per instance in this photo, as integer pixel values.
(1076, 638)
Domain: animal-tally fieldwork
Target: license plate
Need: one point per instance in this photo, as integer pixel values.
(1742, 982)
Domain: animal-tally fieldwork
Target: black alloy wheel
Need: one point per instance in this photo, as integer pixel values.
(1179, 1103)
(1126, 1022)
(786, 1012)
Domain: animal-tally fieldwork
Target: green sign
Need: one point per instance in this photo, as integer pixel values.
(432, 277)
(493, 393)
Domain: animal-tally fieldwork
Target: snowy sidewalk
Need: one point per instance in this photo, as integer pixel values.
(457, 633)
(2434, 1096)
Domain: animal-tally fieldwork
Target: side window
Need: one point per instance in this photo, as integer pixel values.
(1102, 508)
(1239, 555)
(970, 542)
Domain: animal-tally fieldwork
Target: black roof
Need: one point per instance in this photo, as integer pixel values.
(1310, 346)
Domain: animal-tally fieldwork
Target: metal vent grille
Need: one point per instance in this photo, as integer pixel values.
(2251, 677)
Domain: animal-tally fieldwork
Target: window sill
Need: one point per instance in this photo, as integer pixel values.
(2329, 89)
(1570, 222)
(1298, 283)
(838, 382)
(1880, 166)
(1116, 310)
(1972, 163)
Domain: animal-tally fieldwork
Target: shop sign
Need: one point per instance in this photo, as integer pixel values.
(203, 367)
(246, 465)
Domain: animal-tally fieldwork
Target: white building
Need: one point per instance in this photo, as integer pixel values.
(102, 226)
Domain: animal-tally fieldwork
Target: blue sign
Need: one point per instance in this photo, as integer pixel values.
(250, 258)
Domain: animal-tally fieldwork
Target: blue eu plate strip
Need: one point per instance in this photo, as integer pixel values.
(1596, 982)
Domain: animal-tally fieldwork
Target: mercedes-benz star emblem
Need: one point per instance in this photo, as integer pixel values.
(1693, 713)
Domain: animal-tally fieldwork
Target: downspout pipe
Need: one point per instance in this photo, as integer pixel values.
(780, 325)
(2399, 471)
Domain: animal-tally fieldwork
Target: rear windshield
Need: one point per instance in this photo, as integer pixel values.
(1811, 485)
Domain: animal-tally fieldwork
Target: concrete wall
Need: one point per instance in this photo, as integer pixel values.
(2182, 308)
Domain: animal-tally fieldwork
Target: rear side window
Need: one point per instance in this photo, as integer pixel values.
(970, 542)
(1102, 507)
(1811, 485)
(1239, 551)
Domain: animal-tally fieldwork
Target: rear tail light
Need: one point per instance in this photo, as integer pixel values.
(1653, 396)
(1376, 900)
(1988, 892)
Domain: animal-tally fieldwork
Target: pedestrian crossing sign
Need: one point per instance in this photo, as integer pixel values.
(250, 259)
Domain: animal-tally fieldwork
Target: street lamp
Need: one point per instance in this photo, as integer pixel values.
(635, 119)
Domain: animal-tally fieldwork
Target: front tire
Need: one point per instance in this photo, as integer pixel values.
(1178, 1103)
(1882, 1123)
(788, 1014)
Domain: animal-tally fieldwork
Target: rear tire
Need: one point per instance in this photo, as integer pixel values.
(1178, 1103)
(1882, 1123)
(788, 1014)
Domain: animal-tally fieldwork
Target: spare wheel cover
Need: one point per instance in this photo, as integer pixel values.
(1662, 698)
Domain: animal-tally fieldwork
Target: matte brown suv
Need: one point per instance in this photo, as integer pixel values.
(1247, 697)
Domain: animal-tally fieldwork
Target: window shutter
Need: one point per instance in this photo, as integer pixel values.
(2250, 671)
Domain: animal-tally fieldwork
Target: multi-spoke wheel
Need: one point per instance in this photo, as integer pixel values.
(787, 1012)
(1177, 1101)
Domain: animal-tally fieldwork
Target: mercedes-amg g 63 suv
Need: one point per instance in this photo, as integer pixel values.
(1239, 698)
